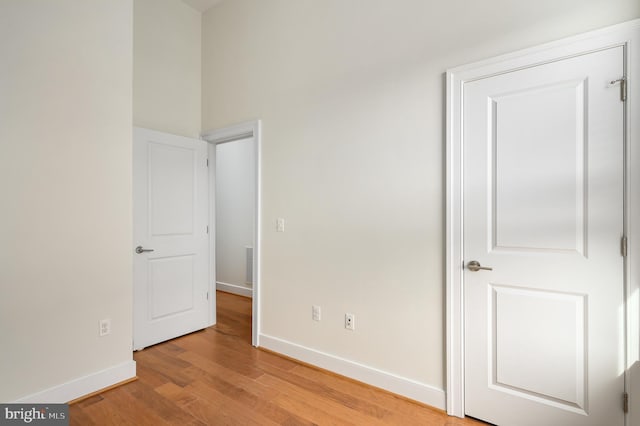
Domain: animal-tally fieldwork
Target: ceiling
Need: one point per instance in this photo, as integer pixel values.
(201, 5)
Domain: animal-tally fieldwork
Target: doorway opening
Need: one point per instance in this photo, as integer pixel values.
(234, 209)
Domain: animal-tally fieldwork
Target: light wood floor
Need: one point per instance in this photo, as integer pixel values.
(215, 377)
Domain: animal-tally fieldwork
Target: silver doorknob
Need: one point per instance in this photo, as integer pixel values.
(475, 266)
(141, 250)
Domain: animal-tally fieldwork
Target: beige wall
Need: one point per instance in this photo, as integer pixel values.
(166, 71)
(351, 96)
(65, 180)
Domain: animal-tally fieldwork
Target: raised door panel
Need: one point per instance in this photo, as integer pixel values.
(171, 286)
(172, 177)
(539, 167)
(538, 345)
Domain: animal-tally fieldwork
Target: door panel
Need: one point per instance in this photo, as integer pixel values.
(170, 216)
(555, 344)
(171, 286)
(553, 214)
(171, 190)
(543, 206)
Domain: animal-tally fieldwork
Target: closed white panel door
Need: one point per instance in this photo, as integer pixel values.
(543, 206)
(171, 249)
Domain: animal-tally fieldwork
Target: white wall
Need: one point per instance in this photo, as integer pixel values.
(351, 96)
(235, 199)
(65, 180)
(166, 72)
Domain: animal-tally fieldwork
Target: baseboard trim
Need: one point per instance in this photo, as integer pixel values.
(234, 289)
(83, 386)
(402, 386)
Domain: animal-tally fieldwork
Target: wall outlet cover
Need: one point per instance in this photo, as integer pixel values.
(105, 327)
(349, 321)
(316, 313)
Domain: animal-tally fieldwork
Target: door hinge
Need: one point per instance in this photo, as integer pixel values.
(207, 162)
(207, 229)
(623, 246)
(623, 87)
(207, 295)
(625, 402)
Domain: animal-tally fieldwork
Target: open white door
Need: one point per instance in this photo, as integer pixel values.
(543, 196)
(171, 244)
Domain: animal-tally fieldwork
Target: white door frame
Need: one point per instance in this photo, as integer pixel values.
(626, 35)
(227, 134)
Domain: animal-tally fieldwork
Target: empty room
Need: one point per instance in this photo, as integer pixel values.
(320, 212)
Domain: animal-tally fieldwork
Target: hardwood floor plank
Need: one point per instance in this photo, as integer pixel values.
(215, 377)
(401, 411)
(104, 413)
(246, 401)
(134, 409)
(207, 367)
(275, 360)
(146, 397)
(165, 366)
(315, 407)
(79, 417)
(225, 357)
(341, 398)
(86, 402)
(311, 412)
(211, 411)
(176, 393)
(226, 406)
(150, 376)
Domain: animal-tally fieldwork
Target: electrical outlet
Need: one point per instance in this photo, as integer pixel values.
(349, 321)
(315, 313)
(105, 327)
(280, 225)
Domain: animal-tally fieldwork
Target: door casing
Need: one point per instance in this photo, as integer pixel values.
(626, 35)
(214, 137)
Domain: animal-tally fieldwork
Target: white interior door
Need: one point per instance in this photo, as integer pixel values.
(543, 151)
(170, 209)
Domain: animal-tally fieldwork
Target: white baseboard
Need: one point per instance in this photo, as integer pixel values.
(83, 386)
(408, 388)
(234, 288)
